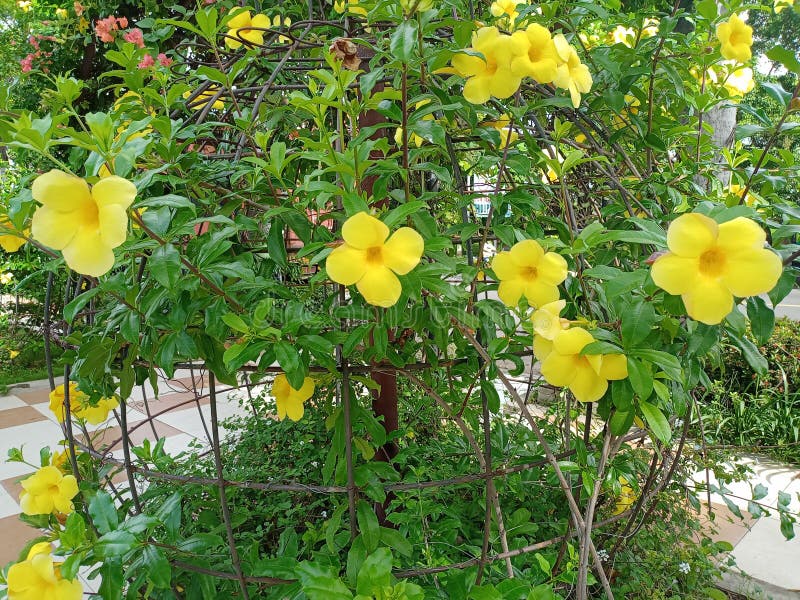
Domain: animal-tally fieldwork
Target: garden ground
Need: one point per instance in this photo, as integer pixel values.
(758, 546)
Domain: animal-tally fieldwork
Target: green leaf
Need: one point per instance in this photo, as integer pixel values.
(169, 513)
(404, 40)
(395, 540)
(276, 246)
(74, 307)
(707, 9)
(787, 526)
(641, 377)
(74, 532)
(289, 359)
(542, 591)
(715, 594)
(320, 583)
(621, 421)
(762, 319)
(751, 354)
(235, 322)
(112, 581)
(491, 395)
(159, 571)
(785, 285)
(368, 525)
(115, 543)
(103, 512)
(656, 420)
(637, 323)
(786, 57)
(165, 265)
(375, 573)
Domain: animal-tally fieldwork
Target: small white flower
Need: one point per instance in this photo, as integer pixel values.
(678, 423)
(684, 568)
(602, 555)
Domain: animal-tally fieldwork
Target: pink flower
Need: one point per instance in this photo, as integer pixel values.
(122, 22)
(104, 28)
(27, 63)
(135, 36)
(146, 62)
(164, 60)
(79, 8)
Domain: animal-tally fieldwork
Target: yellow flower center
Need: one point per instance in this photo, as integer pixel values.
(735, 39)
(712, 262)
(375, 255)
(529, 273)
(91, 216)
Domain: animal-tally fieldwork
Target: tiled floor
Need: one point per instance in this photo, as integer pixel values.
(26, 421)
(759, 548)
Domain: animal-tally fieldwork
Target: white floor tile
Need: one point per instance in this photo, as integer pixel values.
(32, 437)
(765, 554)
(8, 505)
(7, 402)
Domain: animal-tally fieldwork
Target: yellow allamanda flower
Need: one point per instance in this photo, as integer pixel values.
(371, 259)
(79, 404)
(412, 6)
(277, 21)
(47, 491)
(10, 240)
(572, 74)
(289, 400)
(85, 224)
(586, 375)
(413, 138)
(506, 9)
(740, 82)
(503, 127)
(203, 98)
(244, 26)
(528, 270)
(650, 27)
(708, 264)
(12, 354)
(61, 13)
(39, 578)
(349, 6)
(626, 496)
(540, 60)
(491, 75)
(547, 322)
(736, 38)
(623, 35)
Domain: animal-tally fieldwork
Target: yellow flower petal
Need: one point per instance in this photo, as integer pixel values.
(363, 231)
(542, 347)
(504, 266)
(113, 224)
(572, 341)
(380, 287)
(753, 273)
(402, 252)
(740, 233)
(40, 548)
(614, 366)
(674, 274)
(539, 293)
(510, 291)
(588, 386)
(292, 408)
(477, 90)
(558, 369)
(691, 234)
(242, 18)
(708, 301)
(114, 190)
(54, 228)
(60, 191)
(346, 265)
(546, 321)
(552, 268)
(262, 21)
(88, 254)
(526, 253)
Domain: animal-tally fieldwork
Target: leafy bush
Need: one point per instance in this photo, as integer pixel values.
(758, 412)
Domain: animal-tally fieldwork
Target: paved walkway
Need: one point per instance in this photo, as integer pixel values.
(26, 420)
